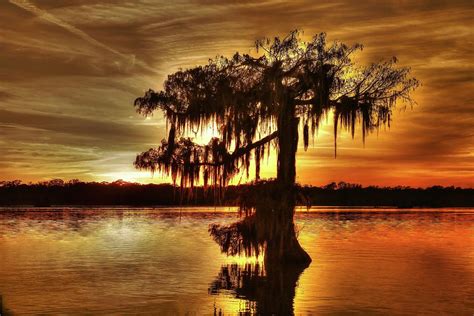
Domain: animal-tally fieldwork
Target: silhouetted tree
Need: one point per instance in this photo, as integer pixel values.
(291, 83)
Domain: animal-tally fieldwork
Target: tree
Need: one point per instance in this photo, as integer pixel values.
(287, 85)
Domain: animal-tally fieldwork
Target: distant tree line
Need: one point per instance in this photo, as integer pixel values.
(75, 192)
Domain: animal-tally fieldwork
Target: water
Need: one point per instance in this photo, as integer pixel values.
(162, 261)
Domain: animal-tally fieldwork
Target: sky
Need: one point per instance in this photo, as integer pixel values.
(70, 70)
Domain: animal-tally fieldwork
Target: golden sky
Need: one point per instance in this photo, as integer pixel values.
(70, 70)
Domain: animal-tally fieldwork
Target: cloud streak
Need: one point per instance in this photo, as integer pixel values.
(46, 16)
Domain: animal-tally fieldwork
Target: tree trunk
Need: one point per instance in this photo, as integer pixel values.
(282, 244)
(272, 226)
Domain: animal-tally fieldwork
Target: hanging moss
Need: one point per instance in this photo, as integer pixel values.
(242, 95)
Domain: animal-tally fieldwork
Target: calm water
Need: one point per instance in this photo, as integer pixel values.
(162, 261)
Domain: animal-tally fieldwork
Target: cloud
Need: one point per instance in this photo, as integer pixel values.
(5, 95)
(65, 94)
(46, 16)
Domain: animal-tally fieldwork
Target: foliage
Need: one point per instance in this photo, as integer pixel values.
(245, 96)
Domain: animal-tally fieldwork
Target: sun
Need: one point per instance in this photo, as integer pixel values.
(132, 176)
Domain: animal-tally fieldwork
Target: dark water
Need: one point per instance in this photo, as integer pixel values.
(162, 261)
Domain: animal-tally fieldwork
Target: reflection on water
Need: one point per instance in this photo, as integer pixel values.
(162, 261)
(265, 291)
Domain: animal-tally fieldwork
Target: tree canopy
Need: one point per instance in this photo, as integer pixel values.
(244, 96)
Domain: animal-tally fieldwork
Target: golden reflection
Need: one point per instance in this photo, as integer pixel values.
(123, 261)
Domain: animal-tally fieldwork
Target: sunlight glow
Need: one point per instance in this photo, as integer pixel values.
(132, 176)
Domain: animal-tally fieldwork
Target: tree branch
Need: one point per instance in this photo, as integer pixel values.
(241, 151)
(304, 102)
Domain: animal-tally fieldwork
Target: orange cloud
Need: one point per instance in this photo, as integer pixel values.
(66, 106)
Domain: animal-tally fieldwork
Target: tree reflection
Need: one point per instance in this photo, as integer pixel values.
(266, 289)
